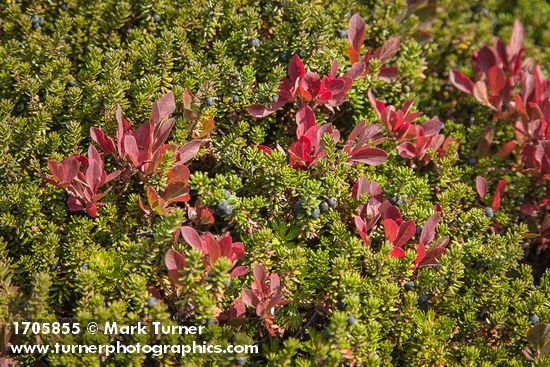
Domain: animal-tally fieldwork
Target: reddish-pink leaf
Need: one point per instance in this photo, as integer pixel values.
(388, 50)
(370, 156)
(174, 260)
(516, 40)
(296, 68)
(461, 82)
(397, 252)
(406, 150)
(496, 79)
(305, 119)
(486, 59)
(356, 32)
(162, 108)
(405, 233)
(498, 193)
(131, 149)
(191, 237)
(188, 151)
(390, 229)
(428, 231)
(239, 271)
(481, 186)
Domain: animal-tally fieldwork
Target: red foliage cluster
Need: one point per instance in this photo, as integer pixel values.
(415, 140)
(360, 67)
(213, 248)
(305, 87)
(82, 178)
(397, 231)
(309, 147)
(500, 72)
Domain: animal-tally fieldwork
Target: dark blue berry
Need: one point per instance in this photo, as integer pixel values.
(326, 334)
(226, 283)
(481, 315)
(323, 207)
(235, 99)
(274, 98)
(343, 33)
(84, 266)
(315, 213)
(210, 101)
(351, 320)
(151, 301)
(226, 193)
(341, 305)
(409, 285)
(222, 205)
(393, 200)
(36, 21)
(53, 267)
(472, 161)
(255, 43)
(418, 230)
(423, 299)
(64, 7)
(399, 202)
(535, 319)
(489, 212)
(299, 208)
(332, 202)
(241, 361)
(72, 83)
(284, 56)
(487, 357)
(156, 18)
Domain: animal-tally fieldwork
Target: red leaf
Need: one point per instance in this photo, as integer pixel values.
(260, 110)
(131, 149)
(356, 32)
(390, 229)
(370, 156)
(496, 79)
(239, 271)
(191, 237)
(397, 252)
(506, 149)
(481, 186)
(498, 193)
(388, 50)
(461, 82)
(188, 151)
(178, 174)
(305, 118)
(516, 39)
(428, 231)
(406, 150)
(162, 108)
(174, 260)
(485, 59)
(296, 68)
(405, 233)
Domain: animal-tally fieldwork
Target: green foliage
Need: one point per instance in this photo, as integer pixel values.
(347, 303)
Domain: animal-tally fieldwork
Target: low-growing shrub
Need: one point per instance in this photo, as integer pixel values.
(310, 178)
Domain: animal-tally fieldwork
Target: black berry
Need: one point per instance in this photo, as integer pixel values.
(423, 299)
(226, 283)
(64, 7)
(284, 56)
(241, 361)
(156, 18)
(343, 33)
(409, 285)
(341, 305)
(351, 320)
(235, 99)
(226, 193)
(210, 101)
(472, 161)
(535, 319)
(255, 43)
(418, 230)
(299, 208)
(332, 202)
(323, 206)
(84, 266)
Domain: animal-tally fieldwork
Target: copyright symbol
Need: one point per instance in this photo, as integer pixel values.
(92, 327)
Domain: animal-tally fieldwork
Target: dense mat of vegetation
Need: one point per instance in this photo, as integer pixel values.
(341, 183)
